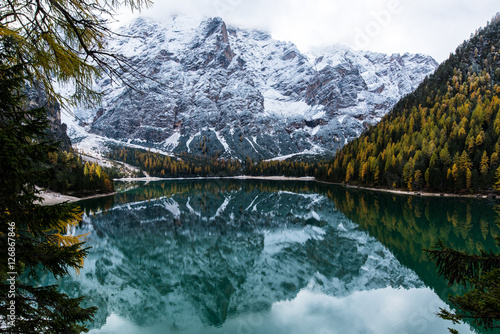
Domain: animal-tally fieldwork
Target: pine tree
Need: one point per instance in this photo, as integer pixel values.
(480, 273)
(34, 235)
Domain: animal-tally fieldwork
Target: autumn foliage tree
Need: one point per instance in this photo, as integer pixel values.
(65, 42)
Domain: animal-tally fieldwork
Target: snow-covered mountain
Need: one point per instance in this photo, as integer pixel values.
(223, 90)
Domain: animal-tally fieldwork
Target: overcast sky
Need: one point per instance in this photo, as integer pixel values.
(434, 27)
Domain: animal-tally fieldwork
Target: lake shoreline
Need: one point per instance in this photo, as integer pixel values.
(241, 177)
(408, 193)
(52, 198)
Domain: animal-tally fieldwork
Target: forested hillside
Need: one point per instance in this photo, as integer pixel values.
(159, 165)
(442, 137)
(72, 175)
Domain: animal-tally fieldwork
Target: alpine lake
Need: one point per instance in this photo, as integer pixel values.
(262, 256)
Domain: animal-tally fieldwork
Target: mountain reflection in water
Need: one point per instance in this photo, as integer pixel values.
(236, 256)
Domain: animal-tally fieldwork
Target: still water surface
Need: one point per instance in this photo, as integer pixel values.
(241, 256)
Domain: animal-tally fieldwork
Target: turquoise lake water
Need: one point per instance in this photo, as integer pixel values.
(246, 256)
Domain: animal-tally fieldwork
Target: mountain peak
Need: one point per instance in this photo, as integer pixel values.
(214, 31)
(214, 25)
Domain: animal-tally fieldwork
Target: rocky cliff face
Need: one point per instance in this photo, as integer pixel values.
(37, 98)
(220, 90)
